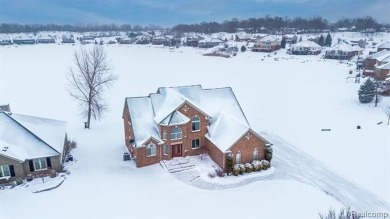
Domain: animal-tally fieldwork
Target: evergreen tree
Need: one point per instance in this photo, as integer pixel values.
(328, 40)
(229, 163)
(321, 41)
(300, 39)
(243, 48)
(367, 91)
(268, 152)
(283, 43)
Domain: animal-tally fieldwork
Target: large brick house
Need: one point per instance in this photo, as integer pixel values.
(375, 60)
(267, 44)
(29, 145)
(342, 51)
(189, 120)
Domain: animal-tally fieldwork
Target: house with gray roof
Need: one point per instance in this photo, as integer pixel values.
(30, 145)
(189, 120)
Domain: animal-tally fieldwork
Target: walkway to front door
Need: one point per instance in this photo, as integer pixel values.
(177, 150)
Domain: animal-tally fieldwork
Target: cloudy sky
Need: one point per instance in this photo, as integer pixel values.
(171, 12)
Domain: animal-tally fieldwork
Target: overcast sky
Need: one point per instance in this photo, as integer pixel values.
(170, 12)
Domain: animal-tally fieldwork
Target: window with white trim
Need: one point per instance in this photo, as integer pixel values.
(165, 135)
(255, 154)
(238, 157)
(195, 143)
(40, 164)
(165, 149)
(176, 133)
(4, 171)
(151, 150)
(195, 123)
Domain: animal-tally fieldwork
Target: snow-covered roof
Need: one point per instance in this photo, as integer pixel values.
(384, 66)
(379, 55)
(175, 118)
(269, 38)
(26, 137)
(385, 45)
(226, 130)
(306, 44)
(142, 119)
(342, 46)
(219, 105)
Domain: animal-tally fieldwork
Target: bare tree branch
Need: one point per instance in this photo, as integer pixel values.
(88, 79)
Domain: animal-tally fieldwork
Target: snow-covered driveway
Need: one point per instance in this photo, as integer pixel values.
(291, 162)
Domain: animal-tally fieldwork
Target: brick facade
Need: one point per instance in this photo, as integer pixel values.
(246, 144)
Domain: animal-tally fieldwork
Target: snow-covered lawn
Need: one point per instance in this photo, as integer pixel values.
(293, 97)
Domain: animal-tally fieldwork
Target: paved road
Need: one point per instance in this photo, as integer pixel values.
(292, 163)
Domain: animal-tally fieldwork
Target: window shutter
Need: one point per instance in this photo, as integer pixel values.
(31, 165)
(48, 161)
(12, 170)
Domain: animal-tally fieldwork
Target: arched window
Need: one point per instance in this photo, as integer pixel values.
(176, 133)
(151, 150)
(238, 157)
(255, 154)
(195, 123)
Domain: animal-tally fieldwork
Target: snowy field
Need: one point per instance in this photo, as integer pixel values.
(289, 96)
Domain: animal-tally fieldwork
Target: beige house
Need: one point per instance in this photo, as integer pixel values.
(189, 120)
(29, 145)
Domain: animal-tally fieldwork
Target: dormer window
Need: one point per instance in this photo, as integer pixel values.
(176, 133)
(195, 123)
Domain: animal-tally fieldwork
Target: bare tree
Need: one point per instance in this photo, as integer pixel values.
(88, 79)
(387, 111)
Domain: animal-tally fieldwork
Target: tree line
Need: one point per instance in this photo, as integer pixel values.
(254, 25)
(31, 28)
(280, 24)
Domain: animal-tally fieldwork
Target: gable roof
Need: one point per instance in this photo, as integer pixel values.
(306, 44)
(379, 55)
(26, 137)
(342, 46)
(385, 45)
(223, 112)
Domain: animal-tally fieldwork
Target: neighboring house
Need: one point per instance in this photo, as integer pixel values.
(290, 39)
(4, 42)
(209, 43)
(29, 145)
(374, 60)
(126, 40)
(382, 71)
(267, 44)
(45, 39)
(189, 120)
(384, 46)
(160, 40)
(193, 41)
(23, 40)
(68, 39)
(305, 48)
(243, 37)
(342, 51)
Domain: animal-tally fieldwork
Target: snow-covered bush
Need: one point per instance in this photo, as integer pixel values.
(236, 170)
(345, 213)
(219, 172)
(265, 164)
(242, 168)
(53, 174)
(248, 168)
(19, 181)
(29, 177)
(257, 165)
(211, 175)
(268, 153)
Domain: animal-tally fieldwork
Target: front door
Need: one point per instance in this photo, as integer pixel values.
(176, 150)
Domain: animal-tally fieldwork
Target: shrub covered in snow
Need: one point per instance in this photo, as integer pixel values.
(29, 177)
(53, 174)
(268, 153)
(219, 172)
(236, 170)
(257, 165)
(248, 168)
(211, 175)
(242, 168)
(265, 164)
(345, 213)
